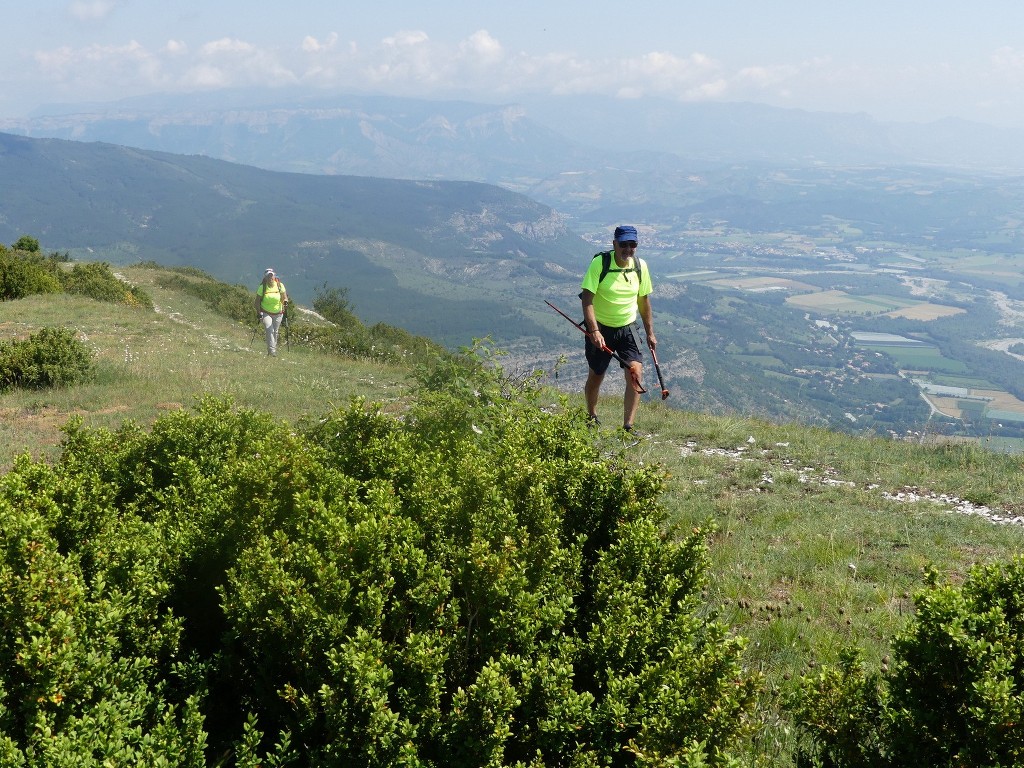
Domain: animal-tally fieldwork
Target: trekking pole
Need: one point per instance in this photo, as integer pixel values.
(287, 330)
(604, 348)
(657, 368)
(254, 332)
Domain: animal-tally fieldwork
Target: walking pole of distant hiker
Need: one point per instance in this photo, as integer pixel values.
(271, 303)
(615, 289)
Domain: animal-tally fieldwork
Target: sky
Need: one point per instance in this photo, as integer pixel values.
(896, 60)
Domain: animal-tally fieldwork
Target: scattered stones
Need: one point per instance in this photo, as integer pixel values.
(912, 495)
(829, 477)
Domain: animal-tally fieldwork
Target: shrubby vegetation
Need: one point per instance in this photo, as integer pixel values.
(24, 271)
(347, 336)
(343, 334)
(95, 281)
(469, 585)
(232, 301)
(51, 357)
(951, 696)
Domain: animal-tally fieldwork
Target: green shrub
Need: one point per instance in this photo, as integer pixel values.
(493, 594)
(25, 274)
(26, 243)
(81, 686)
(96, 281)
(953, 694)
(51, 357)
(232, 301)
(333, 305)
(381, 342)
(470, 585)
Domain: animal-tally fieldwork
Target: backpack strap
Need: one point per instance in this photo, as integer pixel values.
(606, 266)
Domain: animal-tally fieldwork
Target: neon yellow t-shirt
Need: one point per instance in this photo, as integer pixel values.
(271, 298)
(615, 300)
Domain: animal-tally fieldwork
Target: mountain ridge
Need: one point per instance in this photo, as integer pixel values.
(510, 143)
(116, 202)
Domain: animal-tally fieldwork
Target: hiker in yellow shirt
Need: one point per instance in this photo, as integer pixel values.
(616, 287)
(271, 303)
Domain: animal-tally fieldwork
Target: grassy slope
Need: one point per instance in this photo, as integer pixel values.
(150, 362)
(808, 551)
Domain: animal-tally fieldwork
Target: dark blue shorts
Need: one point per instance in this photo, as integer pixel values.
(621, 340)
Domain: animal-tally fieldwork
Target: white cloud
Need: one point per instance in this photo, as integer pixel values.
(1008, 61)
(100, 72)
(411, 63)
(311, 45)
(226, 45)
(482, 47)
(92, 10)
(406, 39)
(206, 77)
(68, 62)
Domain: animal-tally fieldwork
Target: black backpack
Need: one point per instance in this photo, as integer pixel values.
(606, 267)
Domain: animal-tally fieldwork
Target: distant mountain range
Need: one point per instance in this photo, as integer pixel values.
(399, 247)
(566, 152)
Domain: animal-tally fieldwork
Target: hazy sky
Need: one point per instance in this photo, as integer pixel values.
(916, 60)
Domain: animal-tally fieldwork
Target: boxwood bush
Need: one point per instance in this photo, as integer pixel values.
(51, 357)
(951, 695)
(26, 273)
(472, 584)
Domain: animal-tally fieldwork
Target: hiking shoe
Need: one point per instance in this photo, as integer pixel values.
(629, 430)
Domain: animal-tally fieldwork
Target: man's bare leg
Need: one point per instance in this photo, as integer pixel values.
(631, 399)
(591, 390)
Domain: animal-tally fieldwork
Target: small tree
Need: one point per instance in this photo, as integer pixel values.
(27, 244)
(333, 304)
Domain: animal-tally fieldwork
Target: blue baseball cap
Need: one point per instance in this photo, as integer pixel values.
(625, 233)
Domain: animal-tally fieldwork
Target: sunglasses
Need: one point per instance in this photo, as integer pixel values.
(627, 243)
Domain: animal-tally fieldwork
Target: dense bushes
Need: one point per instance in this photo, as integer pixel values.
(952, 696)
(51, 357)
(471, 585)
(96, 281)
(26, 273)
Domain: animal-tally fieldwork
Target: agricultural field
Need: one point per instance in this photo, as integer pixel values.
(926, 311)
(760, 284)
(835, 301)
(993, 404)
(920, 358)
